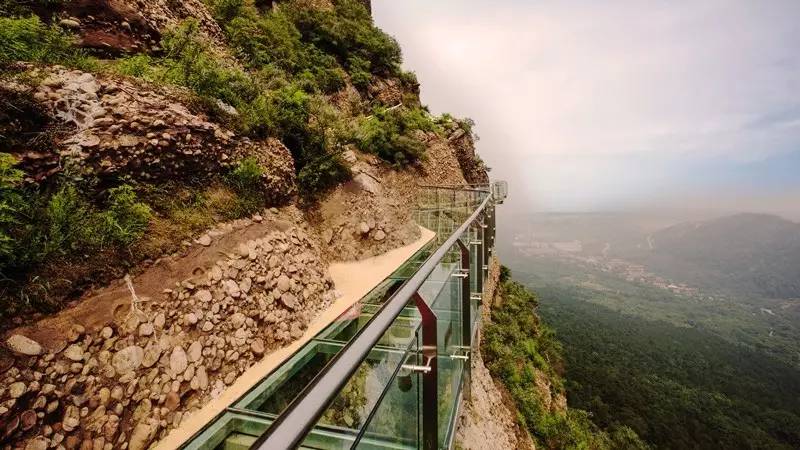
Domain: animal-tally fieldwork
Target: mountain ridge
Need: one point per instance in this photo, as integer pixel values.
(746, 254)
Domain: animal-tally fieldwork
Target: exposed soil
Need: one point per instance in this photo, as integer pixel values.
(99, 308)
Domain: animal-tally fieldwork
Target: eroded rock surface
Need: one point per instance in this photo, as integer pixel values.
(114, 27)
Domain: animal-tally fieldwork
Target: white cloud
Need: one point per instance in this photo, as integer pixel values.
(582, 93)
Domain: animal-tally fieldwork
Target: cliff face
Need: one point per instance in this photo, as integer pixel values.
(489, 420)
(221, 185)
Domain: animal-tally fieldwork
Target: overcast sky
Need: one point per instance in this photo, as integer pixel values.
(586, 105)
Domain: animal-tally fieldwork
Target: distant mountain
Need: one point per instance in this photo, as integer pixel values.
(745, 254)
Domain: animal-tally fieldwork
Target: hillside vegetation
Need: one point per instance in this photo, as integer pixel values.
(676, 387)
(230, 109)
(523, 354)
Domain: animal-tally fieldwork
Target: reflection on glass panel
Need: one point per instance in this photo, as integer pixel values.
(447, 307)
(355, 402)
(396, 419)
(275, 393)
(232, 431)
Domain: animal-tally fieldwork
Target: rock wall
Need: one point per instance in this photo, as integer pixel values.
(373, 213)
(128, 383)
(148, 133)
(113, 27)
(473, 168)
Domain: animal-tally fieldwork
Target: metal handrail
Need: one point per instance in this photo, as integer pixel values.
(458, 187)
(300, 417)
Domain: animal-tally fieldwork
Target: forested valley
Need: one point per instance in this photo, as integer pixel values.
(681, 367)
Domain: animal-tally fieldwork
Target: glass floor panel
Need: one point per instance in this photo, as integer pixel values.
(237, 430)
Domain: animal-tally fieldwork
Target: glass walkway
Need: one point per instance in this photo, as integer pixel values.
(389, 372)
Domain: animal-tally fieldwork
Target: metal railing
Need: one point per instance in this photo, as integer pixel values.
(399, 372)
(302, 415)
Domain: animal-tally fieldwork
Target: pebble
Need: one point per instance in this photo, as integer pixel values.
(127, 359)
(195, 351)
(146, 329)
(17, 389)
(23, 345)
(178, 360)
(74, 352)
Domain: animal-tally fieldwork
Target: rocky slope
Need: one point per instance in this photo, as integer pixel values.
(170, 348)
(114, 27)
(124, 128)
(126, 359)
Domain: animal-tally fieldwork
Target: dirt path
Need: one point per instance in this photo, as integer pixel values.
(353, 280)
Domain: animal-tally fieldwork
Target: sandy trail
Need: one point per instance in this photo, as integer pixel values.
(353, 280)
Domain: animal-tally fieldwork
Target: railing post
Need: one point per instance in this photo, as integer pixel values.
(488, 238)
(466, 317)
(430, 388)
(480, 259)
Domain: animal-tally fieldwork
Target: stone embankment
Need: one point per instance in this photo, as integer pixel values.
(128, 383)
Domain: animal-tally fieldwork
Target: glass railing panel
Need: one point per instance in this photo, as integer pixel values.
(447, 307)
(276, 392)
(397, 336)
(239, 430)
(396, 419)
(355, 402)
(232, 431)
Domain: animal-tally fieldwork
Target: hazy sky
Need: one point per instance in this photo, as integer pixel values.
(586, 105)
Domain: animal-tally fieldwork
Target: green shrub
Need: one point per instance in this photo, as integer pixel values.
(347, 31)
(226, 10)
(71, 224)
(282, 113)
(245, 180)
(389, 133)
(10, 200)
(246, 176)
(140, 66)
(322, 174)
(65, 224)
(190, 63)
(359, 68)
(28, 39)
(268, 39)
(126, 219)
(272, 39)
(325, 73)
(505, 274)
(409, 79)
